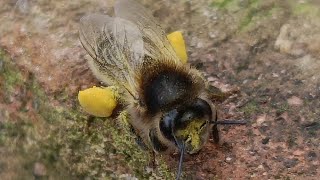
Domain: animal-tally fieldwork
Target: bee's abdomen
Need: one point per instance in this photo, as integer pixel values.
(166, 88)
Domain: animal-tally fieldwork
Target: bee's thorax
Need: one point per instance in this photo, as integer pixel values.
(165, 85)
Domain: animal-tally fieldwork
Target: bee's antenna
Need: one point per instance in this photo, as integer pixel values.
(230, 122)
(180, 161)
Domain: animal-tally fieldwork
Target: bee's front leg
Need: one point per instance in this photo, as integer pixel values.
(215, 131)
(124, 119)
(138, 139)
(215, 134)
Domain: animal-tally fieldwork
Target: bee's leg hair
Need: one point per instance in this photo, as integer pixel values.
(124, 119)
(138, 139)
(154, 164)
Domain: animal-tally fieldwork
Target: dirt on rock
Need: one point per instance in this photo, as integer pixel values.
(264, 54)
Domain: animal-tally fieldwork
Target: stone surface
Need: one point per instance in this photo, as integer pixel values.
(264, 55)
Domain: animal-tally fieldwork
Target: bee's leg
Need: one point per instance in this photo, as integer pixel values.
(215, 131)
(215, 134)
(124, 119)
(138, 139)
(154, 165)
(155, 142)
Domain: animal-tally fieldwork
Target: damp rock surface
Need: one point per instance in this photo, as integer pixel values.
(262, 54)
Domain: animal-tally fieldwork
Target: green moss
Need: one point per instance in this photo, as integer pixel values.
(69, 143)
(274, 10)
(305, 9)
(217, 95)
(250, 108)
(21, 136)
(164, 171)
(247, 19)
(254, 11)
(248, 15)
(220, 3)
(10, 77)
(281, 107)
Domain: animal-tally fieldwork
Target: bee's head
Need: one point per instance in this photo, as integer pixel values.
(188, 125)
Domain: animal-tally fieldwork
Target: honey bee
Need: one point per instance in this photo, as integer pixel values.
(168, 105)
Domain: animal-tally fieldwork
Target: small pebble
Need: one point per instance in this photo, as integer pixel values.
(127, 177)
(295, 101)
(298, 152)
(149, 170)
(261, 119)
(253, 175)
(265, 140)
(311, 156)
(39, 170)
(289, 163)
(212, 35)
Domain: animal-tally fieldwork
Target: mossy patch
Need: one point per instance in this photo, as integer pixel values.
(281, 108)
(250, 108)
(221, 3)
(249, 14)
(69, 143)
(257, 11)
(305, 9)
(9, 78)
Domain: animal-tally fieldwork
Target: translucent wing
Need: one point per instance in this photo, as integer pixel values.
(156, 44)
(116, 48)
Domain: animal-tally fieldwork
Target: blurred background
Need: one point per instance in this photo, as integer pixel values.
(264, 54)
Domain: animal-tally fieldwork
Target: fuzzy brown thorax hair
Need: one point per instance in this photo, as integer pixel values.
(164, 85)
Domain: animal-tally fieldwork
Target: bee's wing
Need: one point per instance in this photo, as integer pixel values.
(156, 44)
(116, 48)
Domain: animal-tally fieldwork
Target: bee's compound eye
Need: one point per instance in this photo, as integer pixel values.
(187, 116)
(166, 124)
